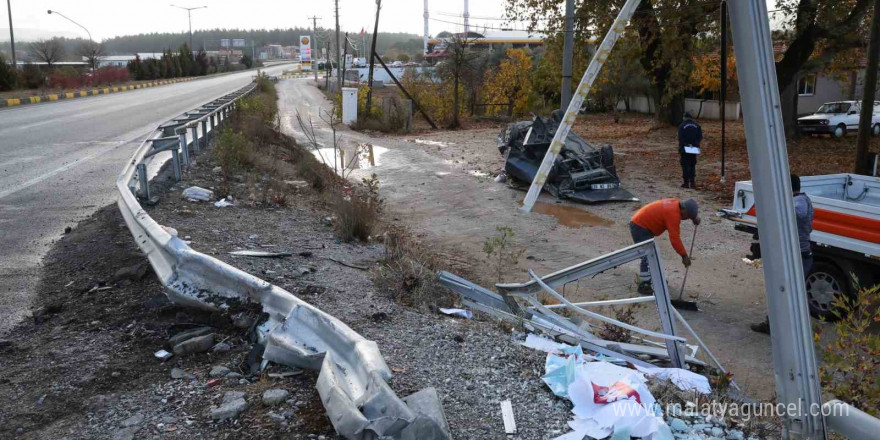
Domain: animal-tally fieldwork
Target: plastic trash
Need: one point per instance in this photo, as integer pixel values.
(226, 201)
(560, 369)
(196, 193)
(466, 314)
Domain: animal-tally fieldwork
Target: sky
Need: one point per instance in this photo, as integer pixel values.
(108, 18)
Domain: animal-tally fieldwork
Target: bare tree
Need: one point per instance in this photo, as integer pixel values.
(48, 51)
(92, 52)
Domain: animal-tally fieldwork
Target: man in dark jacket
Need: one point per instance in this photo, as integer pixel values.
(689, 135)
(803, 212)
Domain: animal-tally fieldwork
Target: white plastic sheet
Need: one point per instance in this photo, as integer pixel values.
(196, 193)
(466, 314)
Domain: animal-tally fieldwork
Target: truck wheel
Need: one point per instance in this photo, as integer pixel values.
(824, 283)
(875, 130)
(839, 131)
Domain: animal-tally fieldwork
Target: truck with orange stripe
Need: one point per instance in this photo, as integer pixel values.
(845, 238)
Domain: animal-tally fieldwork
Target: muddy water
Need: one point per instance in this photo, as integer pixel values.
(571, 216)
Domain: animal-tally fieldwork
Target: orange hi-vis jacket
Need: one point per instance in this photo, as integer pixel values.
(660, 216)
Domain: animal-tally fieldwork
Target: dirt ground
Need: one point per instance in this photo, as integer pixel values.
(440, 184)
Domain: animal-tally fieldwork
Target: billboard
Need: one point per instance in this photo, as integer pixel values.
(238, 42)
(224, 42)
(305, 48)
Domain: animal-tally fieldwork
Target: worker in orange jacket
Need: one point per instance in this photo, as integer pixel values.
(652, 221)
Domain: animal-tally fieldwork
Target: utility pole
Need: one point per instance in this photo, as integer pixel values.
(314, 43)
(344, 56)
(567, 54)
(327, 67)
(426, 26)
(372, 57)
(723, 81)
(338, 51)
(189, 18)
(863, 165)
(11, 35)
(466, 17)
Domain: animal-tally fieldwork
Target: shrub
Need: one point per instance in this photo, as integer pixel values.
(851, 361)
(32, 76)
(66, 78)
(8, 75)
(231, 151)
(501, 253)
(109, 75)
(408, 272)
(356, 218)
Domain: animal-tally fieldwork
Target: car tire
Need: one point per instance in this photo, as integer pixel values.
(839, 131)
(875, 130)
(823, 284)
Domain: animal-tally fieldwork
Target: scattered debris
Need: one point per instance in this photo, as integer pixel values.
(466, 314)
(198, 344)
(507, 417)
(179, 373)
(224, 202)
(260, 254)
(197, 194)
(229, 409)
(221, 346)
(219, 371)
(189, 334)
(353, 266)
(757, 264)
(162, 354)
(501, 178)
(274, 396)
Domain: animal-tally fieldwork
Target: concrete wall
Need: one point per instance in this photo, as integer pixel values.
(708, 109)
(380, 74)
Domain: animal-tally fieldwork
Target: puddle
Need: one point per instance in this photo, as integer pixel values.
(329, 157)
(434, 143)
(571, 216)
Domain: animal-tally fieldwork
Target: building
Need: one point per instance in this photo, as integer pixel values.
(438, 47)
(122, 60)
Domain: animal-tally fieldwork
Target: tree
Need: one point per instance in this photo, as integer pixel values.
(402, 57)
(8, 75)
(667, 30)
(510, 83)
(454, 68)
(706, 76)
(92, 52)
(48, 51)
(247, 61)
(811, 28)
(623, 75)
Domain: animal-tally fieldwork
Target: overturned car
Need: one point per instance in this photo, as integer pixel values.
(582, 172)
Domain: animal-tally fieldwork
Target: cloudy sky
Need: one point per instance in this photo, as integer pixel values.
(108, 18)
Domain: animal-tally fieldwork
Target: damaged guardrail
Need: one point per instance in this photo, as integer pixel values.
(353, 379)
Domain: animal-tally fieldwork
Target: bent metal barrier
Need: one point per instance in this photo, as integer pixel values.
(353, 379)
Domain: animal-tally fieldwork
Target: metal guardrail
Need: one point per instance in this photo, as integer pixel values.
(353, 379)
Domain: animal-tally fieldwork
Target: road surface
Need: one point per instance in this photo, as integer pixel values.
(59, 162)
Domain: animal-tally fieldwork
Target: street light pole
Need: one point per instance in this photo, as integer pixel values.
(11, 35)
(189, 18)
(50, 12)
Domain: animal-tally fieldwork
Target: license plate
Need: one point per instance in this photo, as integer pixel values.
(604, 185)
(808, 128)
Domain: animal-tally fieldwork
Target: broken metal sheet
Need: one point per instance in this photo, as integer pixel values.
(260, 254)
(353, 375)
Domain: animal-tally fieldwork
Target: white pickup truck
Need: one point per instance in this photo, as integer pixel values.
(845, 238)
(837, 118)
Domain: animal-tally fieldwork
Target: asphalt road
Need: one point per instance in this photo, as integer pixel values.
(59, 162)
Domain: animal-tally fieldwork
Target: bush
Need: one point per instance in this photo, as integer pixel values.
(66, 78)
(851, 361)
(109, 75)
(32, 76)
(8, 75)
(231, 151)
(356, 218)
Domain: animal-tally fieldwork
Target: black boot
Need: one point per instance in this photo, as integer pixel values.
(645, 288)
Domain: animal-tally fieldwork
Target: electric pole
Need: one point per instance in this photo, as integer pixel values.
(314, 43)
(338, 51)
(567, 54)
(863, 165)
(189, 18)
(372, 57)
(11, 35)
(723, 83)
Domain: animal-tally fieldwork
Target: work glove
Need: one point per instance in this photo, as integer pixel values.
(686, 260)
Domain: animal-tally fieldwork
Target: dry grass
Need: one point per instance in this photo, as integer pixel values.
(408, 273)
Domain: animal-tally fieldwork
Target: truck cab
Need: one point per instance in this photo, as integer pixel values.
(838, 118)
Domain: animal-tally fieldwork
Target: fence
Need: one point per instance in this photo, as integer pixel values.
(353, 375)
(699, 108)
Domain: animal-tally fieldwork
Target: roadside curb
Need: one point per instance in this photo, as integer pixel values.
(297, 75)
(12, 102)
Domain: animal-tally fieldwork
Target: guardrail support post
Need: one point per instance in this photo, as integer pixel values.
(195, 138)
(175, 163)
(144, 181)
(213, 126)
(183, 148)
(204, 133)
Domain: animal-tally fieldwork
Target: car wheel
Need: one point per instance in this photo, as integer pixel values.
(839, 131)
(824, 283)
(876, 130)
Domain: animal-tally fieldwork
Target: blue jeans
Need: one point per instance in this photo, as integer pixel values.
(640, 234)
